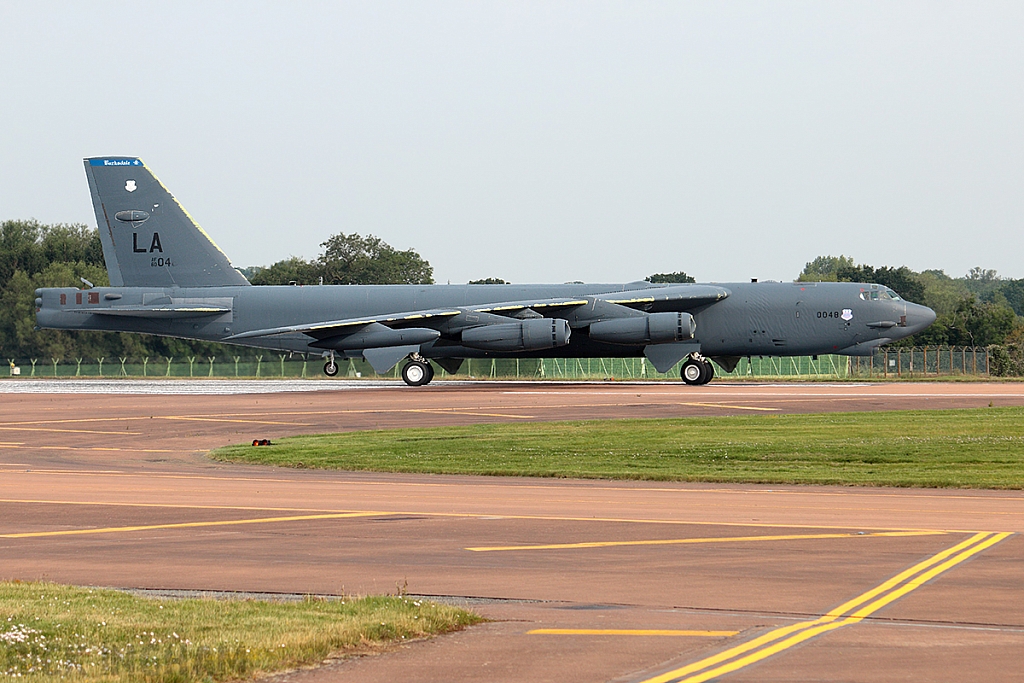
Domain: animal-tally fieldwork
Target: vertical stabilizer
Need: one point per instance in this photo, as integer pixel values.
(148, 238)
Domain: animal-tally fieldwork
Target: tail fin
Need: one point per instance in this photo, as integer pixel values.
(148, 238)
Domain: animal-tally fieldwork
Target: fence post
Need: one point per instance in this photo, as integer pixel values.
(101, 364)
(33, 361)
(304, 361)
(168, 373)
(55, 361)
(282, 357)
(237, 358)
(78, 367)
(211, 358)
(259, 361)
(191, 363)
(145, 366)
(124, 373)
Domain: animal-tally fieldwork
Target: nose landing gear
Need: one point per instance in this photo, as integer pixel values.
(330, 367)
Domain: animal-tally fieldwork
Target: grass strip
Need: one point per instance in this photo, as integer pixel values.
(972, 448)
(51, 632)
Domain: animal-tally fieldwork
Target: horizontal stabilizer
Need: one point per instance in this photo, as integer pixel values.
(167, 308)
(163, 312)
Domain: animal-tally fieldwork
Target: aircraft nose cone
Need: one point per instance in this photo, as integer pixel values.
(919, 317)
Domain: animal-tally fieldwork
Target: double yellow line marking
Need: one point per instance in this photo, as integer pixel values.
(851, 612)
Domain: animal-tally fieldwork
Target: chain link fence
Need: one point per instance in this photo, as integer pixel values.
(891, 362)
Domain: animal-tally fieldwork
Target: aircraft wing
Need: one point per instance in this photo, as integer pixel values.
(679, 297)
(674, 297)
(330, 328)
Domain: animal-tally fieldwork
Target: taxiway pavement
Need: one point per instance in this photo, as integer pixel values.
(583, 580)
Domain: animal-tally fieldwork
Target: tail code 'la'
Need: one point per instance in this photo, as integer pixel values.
(148, 239)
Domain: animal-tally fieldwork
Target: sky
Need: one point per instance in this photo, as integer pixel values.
(539, 141)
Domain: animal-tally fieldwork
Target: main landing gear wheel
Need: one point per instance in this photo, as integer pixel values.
(416, 373)
(710, 372)
(696, 372)
(693, 372)
(331, 368)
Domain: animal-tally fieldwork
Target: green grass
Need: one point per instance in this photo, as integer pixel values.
(975, 448)
(50, 632)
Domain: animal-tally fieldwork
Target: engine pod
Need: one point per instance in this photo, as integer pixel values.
(655, 328)
(375, 335)
(526, 335)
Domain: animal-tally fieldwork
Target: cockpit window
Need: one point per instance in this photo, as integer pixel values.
(884, 295)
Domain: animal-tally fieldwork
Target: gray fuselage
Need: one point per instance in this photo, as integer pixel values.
(766, 318)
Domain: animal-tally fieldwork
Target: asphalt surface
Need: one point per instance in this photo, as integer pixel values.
(107, 484)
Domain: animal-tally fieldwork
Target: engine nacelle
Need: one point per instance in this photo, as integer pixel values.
(375, 335)
(524, 335)
(655, 328)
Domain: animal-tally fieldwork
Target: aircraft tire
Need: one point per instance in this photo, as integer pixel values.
(430, 372)
(693, 372)
(710, 372)
(417, 373)
(331, 369)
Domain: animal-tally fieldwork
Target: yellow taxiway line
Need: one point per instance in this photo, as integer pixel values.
(186, 525)
(627, 632)
(862, 531)
(686, 541)
(850, 612)
(12, 428)
(723, 405)
(460, 411)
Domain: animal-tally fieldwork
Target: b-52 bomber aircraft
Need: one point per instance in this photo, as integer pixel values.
(169, 278)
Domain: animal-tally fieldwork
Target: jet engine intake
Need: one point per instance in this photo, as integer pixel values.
(525, 335)
(655, 328)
